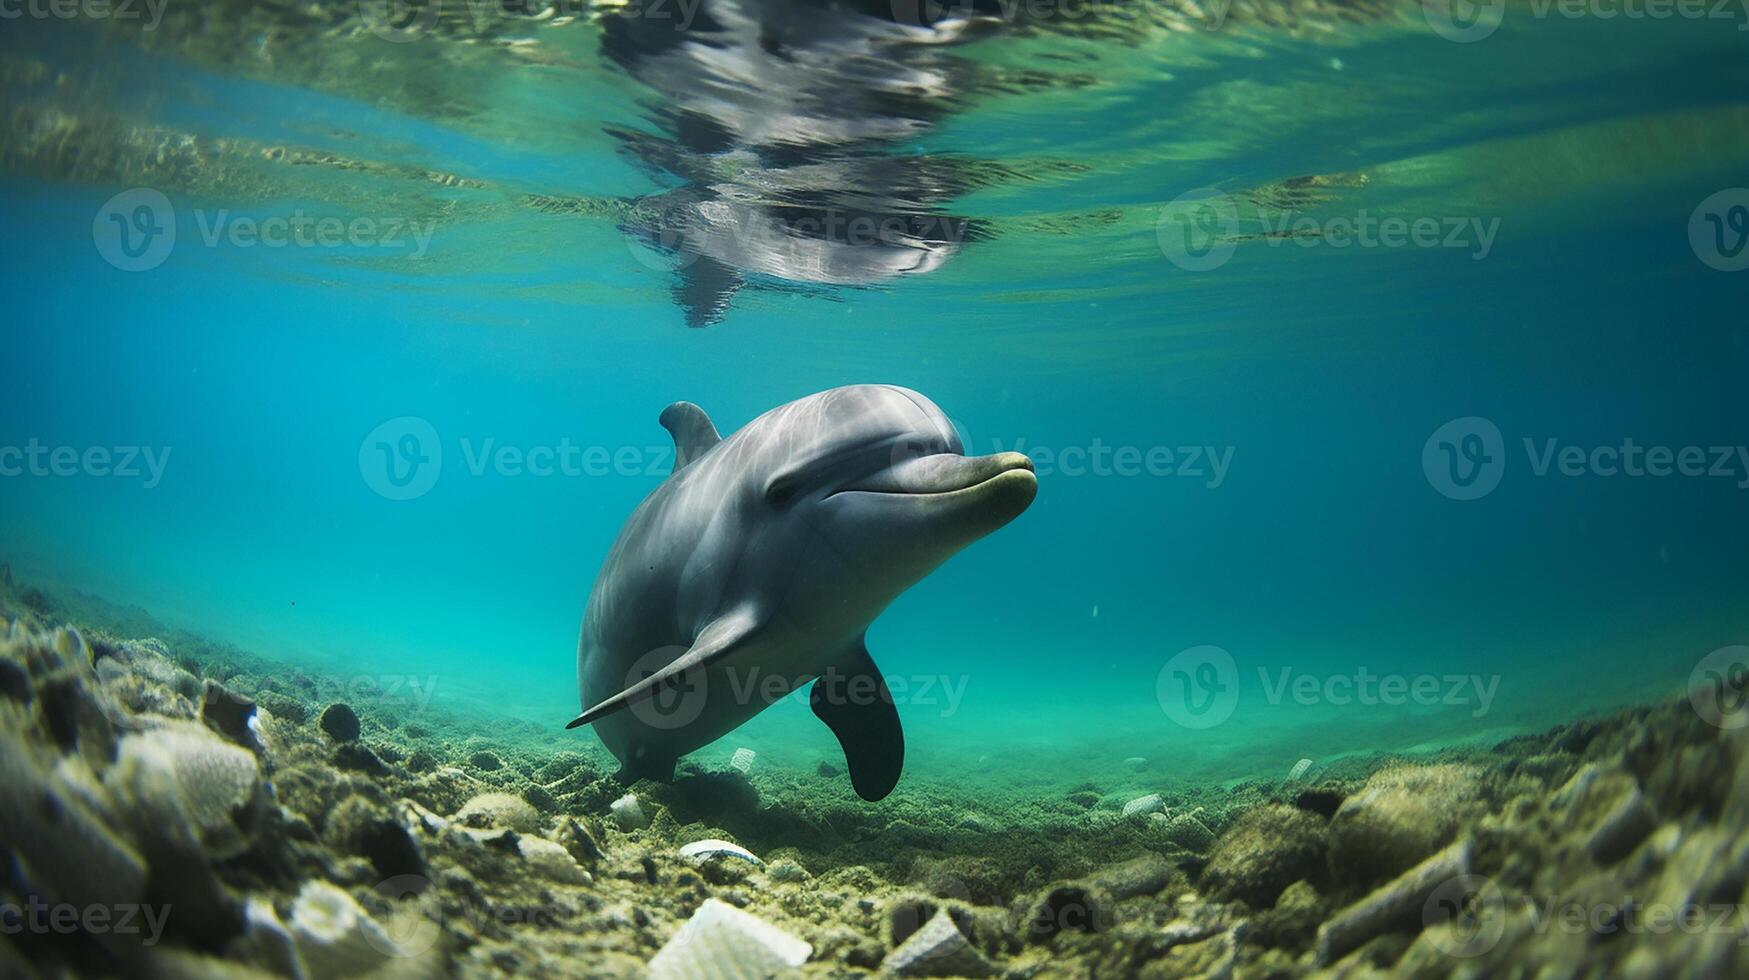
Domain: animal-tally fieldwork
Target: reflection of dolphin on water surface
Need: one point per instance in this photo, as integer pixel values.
(781, 120)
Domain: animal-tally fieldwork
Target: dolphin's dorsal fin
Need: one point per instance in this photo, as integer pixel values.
(853, 700)
(692, 430)
(714, 642)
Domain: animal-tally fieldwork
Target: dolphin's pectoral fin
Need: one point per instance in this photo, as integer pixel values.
(714, 642)
(853, 701)
(693, 432)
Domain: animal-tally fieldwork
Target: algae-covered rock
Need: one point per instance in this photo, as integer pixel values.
(490, 810)
(341, 722)
(1402, 815)
(1269, 848)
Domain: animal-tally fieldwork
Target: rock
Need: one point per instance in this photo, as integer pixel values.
(362, 827)
(938, 949)
(721, 941)
(629, 813)
(1186, 830)
(183, 778)
(1143, 806)
(485, 761)
(1143, 876)
(552, 860)
(1068, 908)
(337, 938)
(1606, 804)
(1394, 905)
(283, 706)
(230, 714)
(1269, 848)
(827, 770)
(358, 757)
(1398, 818)
(489, 810)
(577, 839)
(341, 722)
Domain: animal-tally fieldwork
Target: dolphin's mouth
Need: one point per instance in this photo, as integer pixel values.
(945, 474)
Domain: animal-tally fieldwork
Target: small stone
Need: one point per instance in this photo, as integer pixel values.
(629, 813)
(827, 770)
(490, 810)
(552, 860)
(341, 722)
(938, 949)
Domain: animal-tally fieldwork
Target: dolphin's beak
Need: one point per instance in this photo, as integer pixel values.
(949, 473)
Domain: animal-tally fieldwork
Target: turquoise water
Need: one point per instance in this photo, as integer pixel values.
(1316, 373)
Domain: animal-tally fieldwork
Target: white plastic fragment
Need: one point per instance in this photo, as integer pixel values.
(1152, 803)
(699, 852)
(721, 942)
(743, 760)
(1299, 770)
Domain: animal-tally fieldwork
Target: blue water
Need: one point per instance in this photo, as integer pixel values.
(1324, 548)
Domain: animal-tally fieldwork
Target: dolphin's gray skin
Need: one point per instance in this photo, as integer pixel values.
(759, 563)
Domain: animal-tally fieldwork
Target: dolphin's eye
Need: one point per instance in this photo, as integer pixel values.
(782, 491)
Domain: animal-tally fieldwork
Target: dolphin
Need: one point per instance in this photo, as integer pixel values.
(757, 566)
